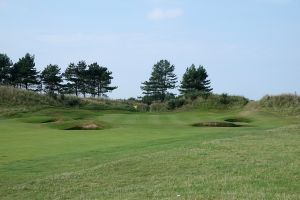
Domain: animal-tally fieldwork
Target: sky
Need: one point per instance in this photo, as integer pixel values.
(248, 47)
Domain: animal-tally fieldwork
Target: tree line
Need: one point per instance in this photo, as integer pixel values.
(194, 82)
(95, 80)
(77, 79)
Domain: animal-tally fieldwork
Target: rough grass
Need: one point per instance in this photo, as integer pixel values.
(14, 101)
(16, 97)
(284, 104)
(149, 156)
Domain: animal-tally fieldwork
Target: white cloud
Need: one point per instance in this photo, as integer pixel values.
(162, 14)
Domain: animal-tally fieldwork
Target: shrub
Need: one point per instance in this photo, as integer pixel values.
(71, 101)
(175, 103)
(141, 107)
(222, 101)
(158, 107)
(196, 94)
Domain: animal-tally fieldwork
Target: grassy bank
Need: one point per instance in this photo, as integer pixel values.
(149, 156)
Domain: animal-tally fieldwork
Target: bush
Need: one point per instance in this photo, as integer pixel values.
(141, 107)
(71, 101)
(158, 107)
(222, 101)
(194, 95)
(175, 103)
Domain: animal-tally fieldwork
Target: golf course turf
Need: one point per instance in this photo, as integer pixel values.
(136, 155)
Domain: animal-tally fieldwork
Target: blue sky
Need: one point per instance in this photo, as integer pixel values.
(249, 47)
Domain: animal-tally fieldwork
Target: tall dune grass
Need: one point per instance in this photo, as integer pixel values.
(285, 103)
(12, 96)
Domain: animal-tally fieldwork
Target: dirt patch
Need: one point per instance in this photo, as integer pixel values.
(216, 124)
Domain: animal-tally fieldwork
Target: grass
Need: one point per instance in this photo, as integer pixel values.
(149, 156)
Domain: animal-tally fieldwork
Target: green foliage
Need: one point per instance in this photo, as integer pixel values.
(176, 103)
(94, 80)
(195, 80)
(24, 73)
(159, 107)
(72, 77)
(81, 72)
(222, 101)
(141, 107)
(71, 101)
(51, 78)
(197, 94)
(5, 64)
(99, 80)
(161, 80)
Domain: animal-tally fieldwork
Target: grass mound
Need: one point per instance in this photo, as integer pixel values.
(39, 119)
(216, 124)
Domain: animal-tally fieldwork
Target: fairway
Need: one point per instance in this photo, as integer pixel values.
(149, 156)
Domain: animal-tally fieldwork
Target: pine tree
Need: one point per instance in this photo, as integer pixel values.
(195, 80)
(81, 70)
(72, 79)
(99, 80)
(51, 79)
(5, 64)
(75, 75)
(24, 72)
(162, 79)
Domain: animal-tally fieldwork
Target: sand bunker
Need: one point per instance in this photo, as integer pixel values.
(238, 119)
(216, 124)
(90, 126)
